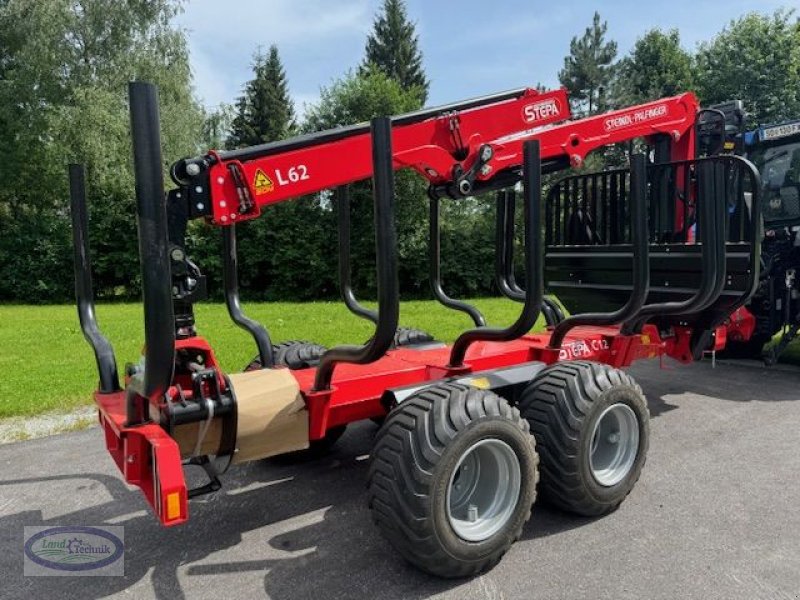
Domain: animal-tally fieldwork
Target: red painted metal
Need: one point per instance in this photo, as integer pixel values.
(146, 456)
(357, 389)
(150, 459)
(741, 325)
(429, 147)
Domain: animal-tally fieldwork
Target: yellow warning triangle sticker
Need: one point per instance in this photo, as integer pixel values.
(262, 183)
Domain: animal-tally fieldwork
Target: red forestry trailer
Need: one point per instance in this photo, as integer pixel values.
(649, 260)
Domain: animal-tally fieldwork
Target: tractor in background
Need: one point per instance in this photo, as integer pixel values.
(775, 306)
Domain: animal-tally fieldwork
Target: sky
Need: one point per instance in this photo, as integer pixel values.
(469, 47)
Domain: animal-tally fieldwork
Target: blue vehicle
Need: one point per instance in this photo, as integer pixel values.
(775, 151)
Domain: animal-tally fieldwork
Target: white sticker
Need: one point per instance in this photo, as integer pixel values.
(779, 131)
(582, 348)
(293, 175)
(541, 111)
(634, 118)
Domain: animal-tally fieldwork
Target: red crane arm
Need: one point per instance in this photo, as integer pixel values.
(460, 149)
(674, 116)
(433, 141)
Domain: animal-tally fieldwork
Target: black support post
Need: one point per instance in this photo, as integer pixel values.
(711, 233)
(386, 261)
(534, 268)
(230, 271)
(435, 265)
(84, 294)
(504, 258)
(345, 282)
(504, 248)
(159, 320)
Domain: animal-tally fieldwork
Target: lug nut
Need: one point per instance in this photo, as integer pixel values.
(472, 513)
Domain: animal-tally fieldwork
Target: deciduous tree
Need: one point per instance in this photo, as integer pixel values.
(63, 97)
(756, 58)
(656, 67)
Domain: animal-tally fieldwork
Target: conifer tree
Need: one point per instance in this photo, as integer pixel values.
(588, 69)
(264, 112)
(393, 47)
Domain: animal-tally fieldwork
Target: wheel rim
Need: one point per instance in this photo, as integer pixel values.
(483, 491)
(615, 443)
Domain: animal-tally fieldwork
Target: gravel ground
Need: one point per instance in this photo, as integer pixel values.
(714, 515)
(16, 429)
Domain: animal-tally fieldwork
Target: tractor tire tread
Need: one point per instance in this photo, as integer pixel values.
(408, 336)
(556, 404)
(407, 449)
(292, 354)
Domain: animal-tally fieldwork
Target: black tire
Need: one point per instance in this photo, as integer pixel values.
(563, 404)
(414, 464)
(292, 355)
(406, 336)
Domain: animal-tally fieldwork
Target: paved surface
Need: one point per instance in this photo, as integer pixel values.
(715, 515)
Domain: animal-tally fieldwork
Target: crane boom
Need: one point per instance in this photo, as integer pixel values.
(460, 149)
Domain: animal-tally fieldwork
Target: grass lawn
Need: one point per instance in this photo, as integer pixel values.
(792, 354)
(47, 365)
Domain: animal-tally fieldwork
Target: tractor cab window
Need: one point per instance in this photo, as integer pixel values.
(780, 179)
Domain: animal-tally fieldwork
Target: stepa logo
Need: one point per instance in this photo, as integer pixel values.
(543, 110)
(74, 550)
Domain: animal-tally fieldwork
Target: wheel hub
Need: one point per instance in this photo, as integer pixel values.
(615, 444)
(484, 489)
